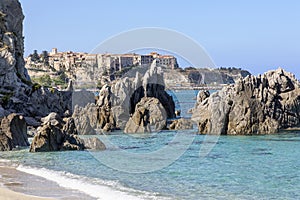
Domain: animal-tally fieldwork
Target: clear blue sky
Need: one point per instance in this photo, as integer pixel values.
(255, 35)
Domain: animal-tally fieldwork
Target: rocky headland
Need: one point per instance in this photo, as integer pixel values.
(261, 104)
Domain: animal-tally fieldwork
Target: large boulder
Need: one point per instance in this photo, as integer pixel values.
(149, 116)
(5, 142)
(93, 144)
(56, 134)
(254, 105)
(181, 124)
(13, 132)
(15, 127)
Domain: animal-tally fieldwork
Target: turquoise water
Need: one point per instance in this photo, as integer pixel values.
(237, 167)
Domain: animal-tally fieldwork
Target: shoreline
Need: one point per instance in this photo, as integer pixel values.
(18, 185)
(8, 194)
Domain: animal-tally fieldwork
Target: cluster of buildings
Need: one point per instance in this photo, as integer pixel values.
(104, 63)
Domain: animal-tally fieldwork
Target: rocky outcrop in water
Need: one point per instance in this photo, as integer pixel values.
(56, 135)
(181, 124)
(126, 93)
(13, 132)
(149, 116)
(254, 105)
(117, 102)
(94, 144)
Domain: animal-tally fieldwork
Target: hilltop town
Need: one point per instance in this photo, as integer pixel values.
(55, 69)
(84, 67)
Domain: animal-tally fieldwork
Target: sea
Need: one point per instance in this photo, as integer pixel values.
(164, 165)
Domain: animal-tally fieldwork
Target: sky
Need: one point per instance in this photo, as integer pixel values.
(254, 35)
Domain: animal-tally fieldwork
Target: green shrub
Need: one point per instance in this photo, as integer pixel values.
(35, 87)
(5, 99)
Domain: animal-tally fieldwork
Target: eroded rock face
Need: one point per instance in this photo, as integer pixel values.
(5, 143)
(86, 119)
(149, 116)
(181, 124)
(94, 144)
(254, 105)
(128, 92)
(117, 102)
(15, 127)
(56, 134)
(13, 132)
(17, 93)
(12, 70)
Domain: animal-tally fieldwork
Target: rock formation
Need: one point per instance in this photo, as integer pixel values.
(149, 116)
(254, 105)
(181, 124)
(13, 132)
(94, 144)
(86, 119)
(56, 135)
(117, 102)
(12, 71)
(201, 96)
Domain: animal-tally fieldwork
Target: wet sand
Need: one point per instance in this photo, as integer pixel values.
(16, 185)
(6, 194)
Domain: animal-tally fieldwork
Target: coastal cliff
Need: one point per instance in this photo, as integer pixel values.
(17, 93)
(12, 70)
(22, 102)
(254, 105)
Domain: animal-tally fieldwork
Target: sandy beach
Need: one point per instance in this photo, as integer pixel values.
(16, 185)
(7, 194)
(8, 181)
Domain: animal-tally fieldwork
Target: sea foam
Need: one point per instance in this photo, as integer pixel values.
(100, 189)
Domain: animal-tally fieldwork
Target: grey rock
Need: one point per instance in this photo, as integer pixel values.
(12, 71)
(17, 93)
(31, 131)
(86, 119)
(69, 127)
(254, 105)
(13, 132)
(30, 121)
(70, 87)
(82, 98)
(53, 118)
(43, 101)
(94, 144)
(201, 96)
(123, 95)
(56, 134)
(181, 124)
(117, 101)
(149, 116)
(5, 142)
(15, 127)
